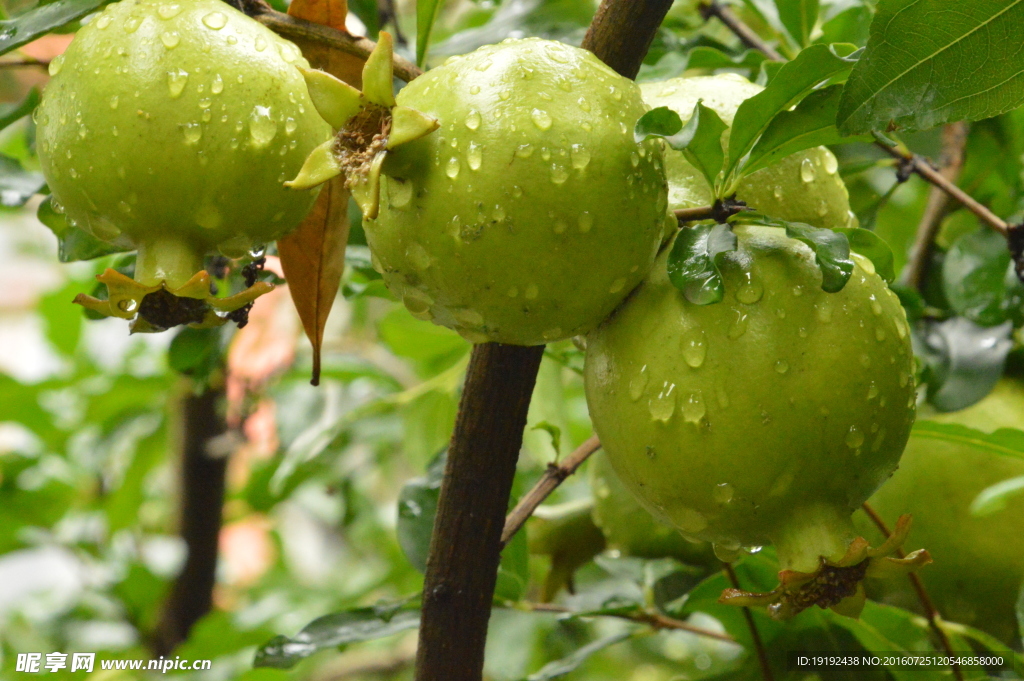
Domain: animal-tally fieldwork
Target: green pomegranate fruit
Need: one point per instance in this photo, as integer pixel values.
(768, 417)
(171, 126)
(803, 187)
(531, 212)
(979, 560)
(630, 529)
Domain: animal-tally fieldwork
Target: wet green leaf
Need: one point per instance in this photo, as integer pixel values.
(692, 263)
(799, 17)
(40, 20)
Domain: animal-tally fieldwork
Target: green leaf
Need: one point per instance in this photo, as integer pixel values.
(978, 278)
(794, 81)
(338, 629)
(993, 498)
(554, 431)
(1004, 441)
(810, 124)
(831, 247)
(37, 22)
(799, 17)
(570, 663)
(963, 360)
(692, 263)
(706, 57)
(17, 185)
(514, 569)
(929, 62)
(700, 139)
(872, 247)
(1012, 658)
(417, 506)
(74, 243)
(195, 352)
(426, 15)
(9, 113)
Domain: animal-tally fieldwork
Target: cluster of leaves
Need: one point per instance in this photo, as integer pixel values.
(88, 449)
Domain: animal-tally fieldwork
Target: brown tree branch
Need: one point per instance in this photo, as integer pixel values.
(462, 563)
(466, 543)
(554, 476)
(762, 653)
(653, 619)
(202, 498)
(720, 212)
(954, 139)
(930, 611)
(15, 63)
(746, 34)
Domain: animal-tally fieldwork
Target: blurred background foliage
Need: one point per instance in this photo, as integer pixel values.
(316, 519)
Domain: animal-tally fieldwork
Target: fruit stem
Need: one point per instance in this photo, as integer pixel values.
(813, 533)
(167, 260)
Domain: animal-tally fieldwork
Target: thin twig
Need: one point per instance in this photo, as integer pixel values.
(746, 34)
(653, 619)
(931, 612)
(15, 63)
(720, 211)
(308, 31)
(762, 653)
(954, 139)
(555, 474)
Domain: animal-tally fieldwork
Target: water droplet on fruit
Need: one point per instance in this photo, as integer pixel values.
(854, 438)
(113, 102)
(542, 119)
(126, 305)
(617, 285)
(689, 520)
(131, 24)
(559, 173)
(723, 493)
(638, 383)
(217, 86)
(262, 127)
(483, 66)
(103, 21)
(56, 64)
(580, 156)
(452, 168)
(176, 82)
(831, 164)
(807, 173)
(560, 226)
(531, 292)
(824, 312)
(739, 325)
(193, 132)
(170, 39)
(215, 20)
(168, 10)
(634, 159)
(904, 379)
(694, 347)
(663, 405)
(822, 208)
(872, 391)
(751, 291)
(780, 313)
(693, 408)
(524, 151)
(552, 334)
(474, 156)
(879, 334)
(545, 153)
(586, 222)
(865, 361)
(473, 120)
(232, 40)
(205, 103)
(781, 366)
(777, 191)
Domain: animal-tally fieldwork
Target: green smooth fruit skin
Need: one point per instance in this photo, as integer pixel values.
(803, 187)
(629, 528)
(531, 212)
(174, 124)
(978, 563)
(767, 417)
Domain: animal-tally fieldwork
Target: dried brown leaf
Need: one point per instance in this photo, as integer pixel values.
(331, 13)
(313, 258)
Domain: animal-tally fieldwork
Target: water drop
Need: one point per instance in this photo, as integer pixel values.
(131, 24)
(824, 312)
(113, 102)
(904, 379)
(542, 119)
(498, 215)
(215, 20)
(83, 132)
(168, 10)
(663, 405)
(484, 65)
(638, 383)
(872, 391)
(56, 64)
(176, 82)
(822, 208)
(126, 305)
(781, 366)
(232, 40)
(807, 173)
(617, 285)
(560, 226)
(170, 39)
(580, 156)
(452, 168)
(474, 157)
(865, 361)
(694, 409)
(688, 520)
(205, 103)
(559, 173)
(777, 191)
(217, 86)
(524, 151)
(545, 153)
(531, 292)
(831, 164)
(193, 132)
(586, 222)
(634, 159)
(854, 438)
(723, 493)
(694, 347)
(751, 290)
(552, 334)
(879, 334)
(739, 325)
(103, 21)
(262, 127)
(206, 115)
(473, 120)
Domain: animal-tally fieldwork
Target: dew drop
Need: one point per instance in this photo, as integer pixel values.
(777, 192)
(484, 65)
(215, 20)
(55, 65)
(854, 438)
(781, 366)
(586, 222)
(473, 120)
(176, 82)
(113, 102)
(103, 21)
(542, 119)
(807, 173)
(193, 132)
(452, 168)
(474, 156)
(168, 10)
(131, 24)
(205, 103)
(580, 156)
(824, 312)
(531, 292)
(262, 127)
(723, 493)
(559, 173)
(694, 347)
(504, 95)
(831, 164)
(872, 391)
(617, 285)
(663, 405)
(751, 291)
(217, 86)
(879, 334)
(904, 379)
(170, 39)
(552, 334)
(634, 159)
(822, 208)
(739, 325)
(693, 408)
(865, 361)
(638, 384)
(560, 226)
(524, 151)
